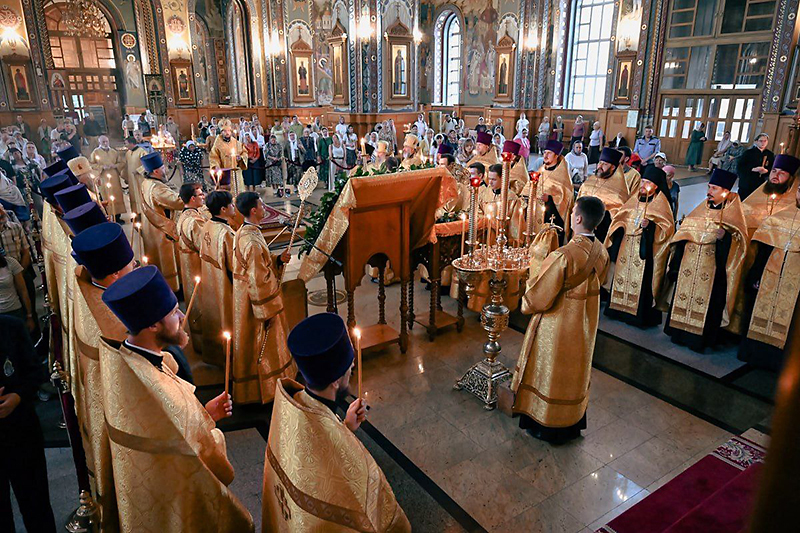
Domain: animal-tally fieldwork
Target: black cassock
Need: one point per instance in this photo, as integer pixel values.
(749, 181)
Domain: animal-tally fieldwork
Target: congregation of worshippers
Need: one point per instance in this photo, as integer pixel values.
(557, 242)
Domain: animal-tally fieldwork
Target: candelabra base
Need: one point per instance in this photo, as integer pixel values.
(483, 379)
(85, 518)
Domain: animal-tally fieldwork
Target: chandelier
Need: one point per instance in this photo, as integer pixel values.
(83, 18)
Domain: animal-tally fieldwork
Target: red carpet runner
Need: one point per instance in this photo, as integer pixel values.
(711, 496)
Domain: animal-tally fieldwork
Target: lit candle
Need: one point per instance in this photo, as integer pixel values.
(357, 334)
(363, 147)
(463, 231)
(191, 300)
(144, 259)
(773, 197)
(138, 227)
(722, 209)
(227, 335)
(113, 214)
(782, 149)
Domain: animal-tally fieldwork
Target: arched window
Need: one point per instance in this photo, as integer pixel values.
(589, 53)
(238, 53)
(447, 82)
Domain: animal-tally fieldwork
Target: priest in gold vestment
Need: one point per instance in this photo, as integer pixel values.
(551, 379)
(190, 239)
(518, 177)
(555, 194)
(632, 176)
(638, 246)
(171, 470)
(707, 256)
(771, 287)
(411, 155)
(216, 295)
(334, 485)
(104, 256)
(260, 354)
(107, 164)
(160, 208)
(607, 183)
(228, 153)
(485, 153)
(133, 160)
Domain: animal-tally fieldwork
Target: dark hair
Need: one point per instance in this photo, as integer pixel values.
(217, 200)
(246, 202)
(450, 158)
(479, 167)
(592, 210)
(130, 140)
(187, 191)
(497, 169)
(625, 151)
(392, 163)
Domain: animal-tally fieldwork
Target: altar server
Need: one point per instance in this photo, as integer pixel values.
(335, 485)
(551, 379)
(190, 239)
(260, 354)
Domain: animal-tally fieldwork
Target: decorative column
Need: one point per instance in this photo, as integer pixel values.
(779, 55)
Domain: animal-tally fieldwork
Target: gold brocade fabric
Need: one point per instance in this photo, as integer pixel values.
(780, 282)
(695, 280)
(558, 185)
(216, 293)
(449, 196)
(518, 177)
(161, 206)
(52, 254)
(612, 191)
(171, 471)
(759, 206)
(134, 178)
(633, 180)
(190, 239)
(629, 268)
(93, 319)
(260, 353)
(116, 164)
(412, 161)
(222, 155)
(461, 175)
(318, 476)
(487, 160)
(56, 246)
(551, 378)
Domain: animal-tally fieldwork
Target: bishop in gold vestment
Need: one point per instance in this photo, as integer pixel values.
(260, 354)
(216, 295)
(551, 379)
(105, 256)
(160, 207)
(555, 194)
(107, 164)
(133, 160)
(228, 153)
(411, 155)
(608, 183)
(707, 256)
(171, 470)
(638, 246)
(334, 484)
(190, 239)
(771, 287)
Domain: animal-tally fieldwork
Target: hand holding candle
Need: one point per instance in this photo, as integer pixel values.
(227, 335)
(357, 335)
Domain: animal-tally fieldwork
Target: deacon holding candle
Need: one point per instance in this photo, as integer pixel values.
(638, 247)
(775, 194)
(190, 239)
(260, 356)
(160, 207)
(707, 256)
(187, 469)
(336, 467)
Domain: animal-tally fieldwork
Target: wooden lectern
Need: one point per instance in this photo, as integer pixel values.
(394, 214)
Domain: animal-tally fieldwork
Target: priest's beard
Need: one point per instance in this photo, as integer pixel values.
(226, 138)
(778, 188)
(605, 174)
(177, 338)
(341, 393)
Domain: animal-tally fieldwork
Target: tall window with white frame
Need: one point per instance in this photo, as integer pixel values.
(447, 65)
(589, 52)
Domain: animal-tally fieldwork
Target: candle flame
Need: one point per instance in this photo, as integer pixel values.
(133, 216)
(112, 197)
(227, 335)
(774, 196)
(357, 333)
(108, 185)
(138, 225)
(463, 216)
(196, 280)
(725, 194)
(144, 259)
